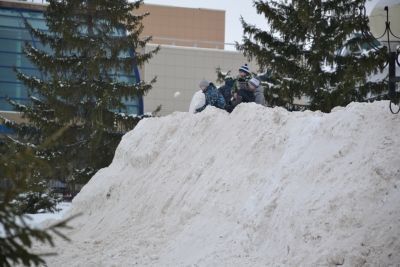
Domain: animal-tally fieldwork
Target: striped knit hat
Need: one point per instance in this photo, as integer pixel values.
(245, 68)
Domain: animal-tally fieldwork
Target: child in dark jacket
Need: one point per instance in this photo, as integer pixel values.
(213, 96)
(244, 95)
(242, 79)
(226, 89)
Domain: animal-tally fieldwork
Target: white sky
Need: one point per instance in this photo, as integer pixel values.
(370, 4)
(234, 9)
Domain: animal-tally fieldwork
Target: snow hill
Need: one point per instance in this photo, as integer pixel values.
(258, 187)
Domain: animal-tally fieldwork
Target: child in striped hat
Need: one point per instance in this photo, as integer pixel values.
(242, 79)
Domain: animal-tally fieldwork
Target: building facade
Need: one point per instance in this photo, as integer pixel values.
(179, 26)
(13, 37)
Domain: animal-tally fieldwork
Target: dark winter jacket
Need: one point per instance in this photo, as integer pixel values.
(243, 96)
(213, 98)
(240, 83)
(226, 89)
(246, 96)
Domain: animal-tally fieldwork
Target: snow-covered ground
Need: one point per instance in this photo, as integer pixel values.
(39, 220)
(36, 220)
(258, 187)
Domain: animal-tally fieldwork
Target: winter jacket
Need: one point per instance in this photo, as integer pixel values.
(259, 95)
(240, 83)
(213, 98)
(226, 89)
(243, 96)
(246, 96)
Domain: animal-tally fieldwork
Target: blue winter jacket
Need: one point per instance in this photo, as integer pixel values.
(213, 98)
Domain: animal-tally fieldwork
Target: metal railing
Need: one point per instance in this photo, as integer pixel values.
(34, 1)
(393, 44)
(193, 43)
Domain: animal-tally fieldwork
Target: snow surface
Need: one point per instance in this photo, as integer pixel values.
(258, 187)
(38, 219)
(198, 101)
(177, 94)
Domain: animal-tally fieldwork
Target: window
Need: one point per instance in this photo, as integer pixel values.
(13, 36)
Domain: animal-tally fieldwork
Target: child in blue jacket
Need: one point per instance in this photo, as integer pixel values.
(213, 96)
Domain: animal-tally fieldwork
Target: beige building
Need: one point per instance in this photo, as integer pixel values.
(179, 70)
(184, 26)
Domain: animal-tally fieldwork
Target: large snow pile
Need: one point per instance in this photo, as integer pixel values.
(258, 187)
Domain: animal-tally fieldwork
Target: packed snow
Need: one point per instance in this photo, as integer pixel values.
(38, 219)
(198, 101)
(258, 187)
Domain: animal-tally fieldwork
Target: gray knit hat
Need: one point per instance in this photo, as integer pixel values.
(204, 84)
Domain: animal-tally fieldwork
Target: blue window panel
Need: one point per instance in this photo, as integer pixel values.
(26, 62)
(12, 33)
(31, 72)
(17, 46)
(14, 59)
(5, 130)
(33, 15)
(13, 90)
(12, 22)
(124, 54)
(11, 45)
(9, 75)
(38, 24)
(17, 39)
(41, 47)
(124, 78)
(12, 40)
(132, 109)
(98, 25)
(9, 12)
(6, 106)
(11, 59)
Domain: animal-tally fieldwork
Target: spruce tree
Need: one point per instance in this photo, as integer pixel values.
(18, 163)
(25, 170)
(303, 47)
(78, 115)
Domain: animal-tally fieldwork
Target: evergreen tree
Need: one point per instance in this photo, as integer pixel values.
(304, 49)
(37, 197)
(78, 115)
(17, 164)
(15, 161)
(222, 76)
